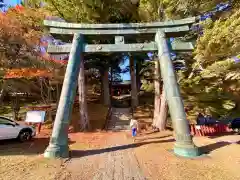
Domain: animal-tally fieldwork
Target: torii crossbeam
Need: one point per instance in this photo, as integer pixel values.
(124, 37)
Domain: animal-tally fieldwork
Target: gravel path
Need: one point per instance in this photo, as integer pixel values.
(114, 159)
(120, 163)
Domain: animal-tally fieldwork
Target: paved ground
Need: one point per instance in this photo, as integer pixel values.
(119, 162)
(114, 156)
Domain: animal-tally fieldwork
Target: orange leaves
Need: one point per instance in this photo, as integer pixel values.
(26, 73)
(9, 28)
(48, 58)
(19, 8)
(23, 25)
(20, 32)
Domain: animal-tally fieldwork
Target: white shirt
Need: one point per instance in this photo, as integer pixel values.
(133, 123)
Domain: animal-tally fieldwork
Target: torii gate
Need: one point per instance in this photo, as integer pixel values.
(184, 146)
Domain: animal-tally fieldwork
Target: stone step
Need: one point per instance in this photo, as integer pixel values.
(123, 126)
(120, 122)
(119, 127)
(120, 119)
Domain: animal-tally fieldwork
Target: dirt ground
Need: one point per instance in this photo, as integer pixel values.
(114, 155)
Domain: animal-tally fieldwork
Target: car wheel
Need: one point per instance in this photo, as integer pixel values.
(24, 135)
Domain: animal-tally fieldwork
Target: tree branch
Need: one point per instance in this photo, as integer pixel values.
(59, 12)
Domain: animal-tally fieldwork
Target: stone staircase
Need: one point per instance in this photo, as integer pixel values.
(120, 119)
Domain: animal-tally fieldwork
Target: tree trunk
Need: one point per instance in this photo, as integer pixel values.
(84, 120)
(157, 93)
(134, 92)
(138, 80)
(1, 96)
(49, 89)
(3, 93)
(58, 93)
(111, 85)
(25, 3)
(102, 89)
(106, 95)
(162, 119)
(16, 107)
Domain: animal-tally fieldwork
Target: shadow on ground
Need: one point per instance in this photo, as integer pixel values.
(222, 134)
(211, 147)
(34, 147)
(151, 138)
(79, 153)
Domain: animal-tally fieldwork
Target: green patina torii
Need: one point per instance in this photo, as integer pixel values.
(123, 34)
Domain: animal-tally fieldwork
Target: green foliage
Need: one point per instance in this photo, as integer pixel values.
(147, 70)
(32, 3)
(147, 86)
(220, 40)
(94, 11)
(216, 87)
(152, 10)
(104, 62)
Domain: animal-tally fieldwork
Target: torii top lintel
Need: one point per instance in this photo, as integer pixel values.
(123, 34)
(169, 27)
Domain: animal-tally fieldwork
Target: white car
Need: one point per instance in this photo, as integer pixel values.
(12, 130)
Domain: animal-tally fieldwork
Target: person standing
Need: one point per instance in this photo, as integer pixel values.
(134, 127)
(201, 120)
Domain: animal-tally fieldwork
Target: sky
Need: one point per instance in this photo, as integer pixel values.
(12, 2)
(125, 76)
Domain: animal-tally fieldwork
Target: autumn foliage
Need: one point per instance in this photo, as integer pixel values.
(20, 32)
(27, 73)
(25, 23)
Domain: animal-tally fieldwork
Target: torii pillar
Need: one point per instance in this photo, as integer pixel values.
(184, 145)
(58, 145)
